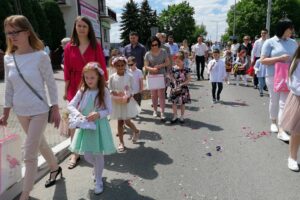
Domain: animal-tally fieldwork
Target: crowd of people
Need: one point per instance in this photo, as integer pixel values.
(102, 85)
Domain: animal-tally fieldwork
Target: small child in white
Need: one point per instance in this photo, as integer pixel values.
(138, 84)
(217, 71)
(260, 72)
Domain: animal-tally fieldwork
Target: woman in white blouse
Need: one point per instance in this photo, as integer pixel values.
(25, 51)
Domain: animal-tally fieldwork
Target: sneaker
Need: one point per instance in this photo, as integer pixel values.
(261, 94)
(162, 116)
(214, 101)
(292, 164)
(174, 120)
(98, 189)
(155, 114)
(282, 135)
(274, 128)
(181, 119)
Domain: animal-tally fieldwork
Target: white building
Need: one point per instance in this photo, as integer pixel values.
(100, 15)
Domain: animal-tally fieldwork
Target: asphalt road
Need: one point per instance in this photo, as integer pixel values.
(223, 151)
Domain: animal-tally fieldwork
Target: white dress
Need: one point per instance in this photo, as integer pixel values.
(121, 84)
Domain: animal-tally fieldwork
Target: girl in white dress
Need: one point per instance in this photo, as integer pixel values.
(124, 107)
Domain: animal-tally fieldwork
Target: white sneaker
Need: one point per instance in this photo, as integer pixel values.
(274, 128)
(282, 135)
(292, 164)
(155, 114)
(98, 189)
(162, 116)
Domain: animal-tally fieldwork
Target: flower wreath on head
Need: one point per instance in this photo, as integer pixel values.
(117, 58)
(96, 65)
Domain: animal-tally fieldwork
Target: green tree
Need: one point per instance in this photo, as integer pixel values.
(251, 16)
(130, 20)
(43, 27)
(199, 30)
(178, 20)
(27, 10)
(6, 9)
(56, 22)
(148, 19)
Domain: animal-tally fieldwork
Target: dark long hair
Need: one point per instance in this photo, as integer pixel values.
(295, 62)
(91, 34)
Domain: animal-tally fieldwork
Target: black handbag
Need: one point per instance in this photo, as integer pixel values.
(50, 113)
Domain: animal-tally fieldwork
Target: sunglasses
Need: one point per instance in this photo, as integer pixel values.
(130, 65)
(153, 45)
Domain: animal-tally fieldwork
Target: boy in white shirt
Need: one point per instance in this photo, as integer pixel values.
(217, 71)
(137, 79)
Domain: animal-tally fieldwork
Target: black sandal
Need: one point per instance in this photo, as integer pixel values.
(51, 182)
(72, 164)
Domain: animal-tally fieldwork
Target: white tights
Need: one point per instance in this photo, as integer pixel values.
(97, 160)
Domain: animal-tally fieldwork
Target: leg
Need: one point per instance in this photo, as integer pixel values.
(245, 79)
(294, 145)
(273, 104)
(255, 80)
(131, 125)
(174, 108)
(237, 79)
(74, 158)
(202, 66)
(220, 88)
(121, 131)
(162, 100)
(154, 97)
(260, 85)
(282, 99)
(89, 157)
(182, 107)
(213, 91)
(198, 66)
(99, 166)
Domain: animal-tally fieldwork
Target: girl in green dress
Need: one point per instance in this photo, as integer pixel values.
(92, 103)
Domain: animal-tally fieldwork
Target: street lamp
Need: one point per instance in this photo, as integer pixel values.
(269, 15)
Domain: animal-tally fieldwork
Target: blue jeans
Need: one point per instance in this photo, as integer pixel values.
(261, 84)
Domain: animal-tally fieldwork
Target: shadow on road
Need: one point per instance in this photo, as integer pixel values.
(234, 104)
(199, 124)
(140, 161)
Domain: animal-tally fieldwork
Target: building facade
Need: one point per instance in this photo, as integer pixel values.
(100, 15)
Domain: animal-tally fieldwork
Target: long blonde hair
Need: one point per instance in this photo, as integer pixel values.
(295, 62)
(23, 23)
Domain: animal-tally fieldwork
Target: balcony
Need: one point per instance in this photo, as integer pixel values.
(109, 15)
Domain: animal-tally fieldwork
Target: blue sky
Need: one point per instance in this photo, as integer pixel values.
(211, 13)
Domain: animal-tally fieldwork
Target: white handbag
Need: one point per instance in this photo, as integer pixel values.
(156, 81)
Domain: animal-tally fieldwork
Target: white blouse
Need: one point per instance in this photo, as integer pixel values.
(217, 70)
(37, 70)
(78, 103)
(294, 81)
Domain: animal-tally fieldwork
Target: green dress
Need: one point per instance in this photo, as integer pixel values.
(93, 141)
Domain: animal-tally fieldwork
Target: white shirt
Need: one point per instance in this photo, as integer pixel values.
(216, 70)
(294, 81)
(106, 52)
(137, 76)
(234, 48)
(37, 70)
(199, 49)
(256, 50)
(82, 101)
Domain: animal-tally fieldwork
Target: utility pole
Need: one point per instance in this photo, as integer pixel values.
(269, 9)
(234, 18)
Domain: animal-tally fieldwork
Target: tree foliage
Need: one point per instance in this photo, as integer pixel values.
(199, 30)
(6, 9)
(130, 20)
(178, 20)
(251, 16)
(148, 19)
(55, 21)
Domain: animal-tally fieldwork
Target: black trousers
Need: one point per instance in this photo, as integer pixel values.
(255, 79)
(214, 88)
(200, 60)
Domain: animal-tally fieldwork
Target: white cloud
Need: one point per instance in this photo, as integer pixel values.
(212, 13)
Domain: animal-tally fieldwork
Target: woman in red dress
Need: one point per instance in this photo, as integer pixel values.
(82, 49)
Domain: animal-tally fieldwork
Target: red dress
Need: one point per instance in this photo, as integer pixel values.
(74, 62)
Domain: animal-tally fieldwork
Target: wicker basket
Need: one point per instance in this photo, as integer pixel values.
(120, 99)
(146, 94)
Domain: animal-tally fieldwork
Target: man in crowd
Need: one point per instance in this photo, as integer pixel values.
(172, 45)
(199, 53)
(135, 49)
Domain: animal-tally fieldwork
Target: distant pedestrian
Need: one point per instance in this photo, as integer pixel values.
(291, 114)
(82, 49)
(90, 107)
(179, 94)
(240, 65)
(228, 65)
(279, 48)
(260, 72)
(106, 54)
(138, 79)
(124, 106)
(63, 44)
(217, 74)
(200, 53)
(135, 49)
(234, 48)
(174, 48)
(25, 52)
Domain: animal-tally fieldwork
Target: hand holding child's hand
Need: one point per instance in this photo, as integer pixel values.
(93, 116)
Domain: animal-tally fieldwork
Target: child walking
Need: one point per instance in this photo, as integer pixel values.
(179, 94)
(124, 106)
(217, 71)
(138, 83)
(91, 105)
(260, 72)
(240, 67)
(228, 64)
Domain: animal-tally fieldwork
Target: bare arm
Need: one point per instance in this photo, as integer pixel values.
(270, 61)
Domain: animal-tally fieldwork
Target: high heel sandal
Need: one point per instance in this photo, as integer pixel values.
(51, 182)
